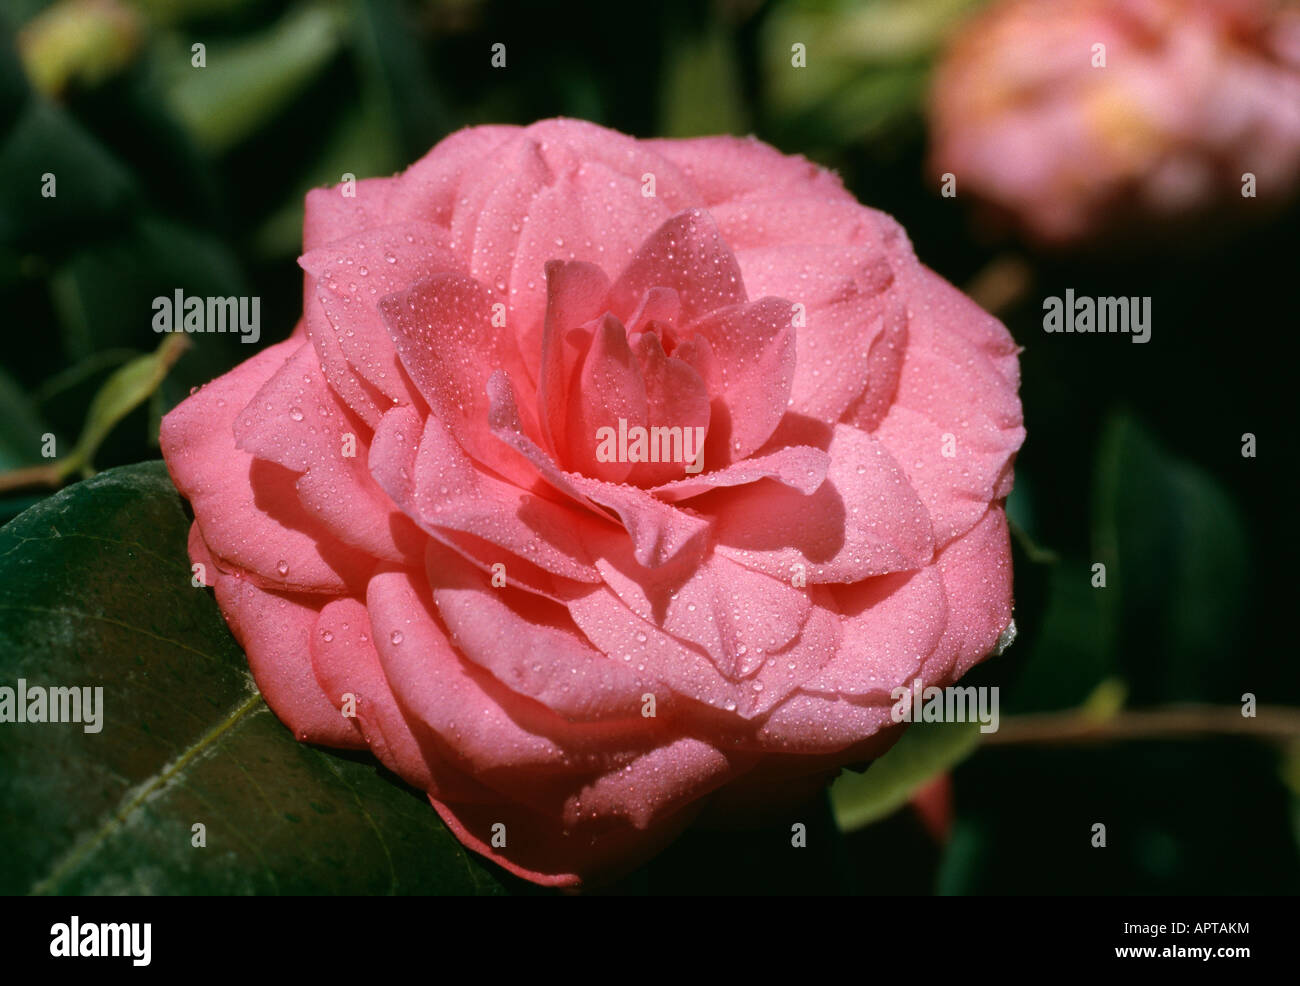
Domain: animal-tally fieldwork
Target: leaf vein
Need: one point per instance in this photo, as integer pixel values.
(142, 792)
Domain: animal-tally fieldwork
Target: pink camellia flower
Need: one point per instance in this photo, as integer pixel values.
(1079, 118)
(412, 509)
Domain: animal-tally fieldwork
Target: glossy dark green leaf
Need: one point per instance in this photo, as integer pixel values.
(95, 591)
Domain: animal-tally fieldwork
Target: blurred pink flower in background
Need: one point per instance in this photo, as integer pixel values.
(1193, 94)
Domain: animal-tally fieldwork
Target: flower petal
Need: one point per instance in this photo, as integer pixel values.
(275, 632)
(507, 741)
(685, 254)
(976, 570)
(430, 188)
(296, 421)
(437, 485)
(659, 531)
(347, 666)
(450, 343)
(248, 509)
(727, 168)
(800, 467)
(753, 348)
(847, 298)
(354, 273)
(576, 294)
(677, 415)
(531, 645)
(591, 213)
(609, 388)
(956, 423)
(331, 214)
(864, 520)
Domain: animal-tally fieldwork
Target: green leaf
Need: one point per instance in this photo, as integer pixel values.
(20, 443)
(701, 92)
(1174, 546)
(89, 183)
(866, 63)
(362, 145)
(1106, 701)
(396, 117)
(20, 439)
(124, 390)
(172, 11)
(128, 388)
(244, 84)
(95, 591)
(82, 40)
(926, 749)
(397, 82)
(80, 373)
(1068, 654)
(104, 293)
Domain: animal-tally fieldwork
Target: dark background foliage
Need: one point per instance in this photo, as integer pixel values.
(171, 176)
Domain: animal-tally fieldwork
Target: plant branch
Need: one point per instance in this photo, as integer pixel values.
(1276, 723)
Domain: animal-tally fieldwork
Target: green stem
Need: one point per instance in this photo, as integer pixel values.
(1273, 723)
